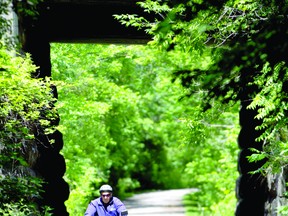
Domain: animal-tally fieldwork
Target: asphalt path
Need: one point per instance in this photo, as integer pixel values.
(158, 203)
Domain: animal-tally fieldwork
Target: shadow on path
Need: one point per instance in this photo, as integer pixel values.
(158, 203)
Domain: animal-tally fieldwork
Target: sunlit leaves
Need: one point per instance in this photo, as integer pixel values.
(26, 110)
(123, 117)
(213, 163)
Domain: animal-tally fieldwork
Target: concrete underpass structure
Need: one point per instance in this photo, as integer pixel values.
(92, 21)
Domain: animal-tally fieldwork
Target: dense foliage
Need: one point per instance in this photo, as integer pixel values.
(125, 122)
(245, 41)
(121, 116)
(26, 110)
(27, 107)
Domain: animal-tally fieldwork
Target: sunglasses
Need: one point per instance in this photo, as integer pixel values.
(105, 195)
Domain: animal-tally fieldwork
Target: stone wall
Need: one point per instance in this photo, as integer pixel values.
(257, 194)
(50, 164)
(277, 189)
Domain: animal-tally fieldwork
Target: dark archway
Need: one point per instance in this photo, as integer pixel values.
(91, 21)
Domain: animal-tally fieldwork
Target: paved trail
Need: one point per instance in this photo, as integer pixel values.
(158, 203)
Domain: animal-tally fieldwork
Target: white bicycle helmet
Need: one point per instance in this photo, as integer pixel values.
(105, 188)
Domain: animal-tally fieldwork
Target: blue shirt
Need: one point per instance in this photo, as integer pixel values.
(96, 207)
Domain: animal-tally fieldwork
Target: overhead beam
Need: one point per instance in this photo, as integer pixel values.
(90, 21)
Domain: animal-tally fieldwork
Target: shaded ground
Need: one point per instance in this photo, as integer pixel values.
(158, 203)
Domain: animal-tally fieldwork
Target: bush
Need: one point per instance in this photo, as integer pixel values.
(27, 107)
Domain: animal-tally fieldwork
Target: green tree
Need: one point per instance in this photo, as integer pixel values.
(225, 26)
(244, 41)
(121, 117)
(27, 107)
(124, 120)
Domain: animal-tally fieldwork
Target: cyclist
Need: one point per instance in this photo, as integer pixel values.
(106, 204)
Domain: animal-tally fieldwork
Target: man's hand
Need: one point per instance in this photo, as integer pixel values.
(124, 213)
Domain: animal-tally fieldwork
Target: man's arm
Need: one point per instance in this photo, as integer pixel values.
(121, 208)
(91, 210)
